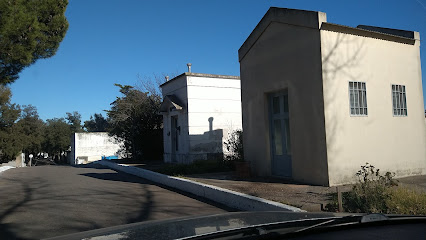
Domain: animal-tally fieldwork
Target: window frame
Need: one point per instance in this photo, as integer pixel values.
(399, 100)
(362, 103)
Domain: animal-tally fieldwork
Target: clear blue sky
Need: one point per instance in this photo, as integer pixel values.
(113, 41)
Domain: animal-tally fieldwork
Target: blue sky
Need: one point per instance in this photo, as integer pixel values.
(114, 41)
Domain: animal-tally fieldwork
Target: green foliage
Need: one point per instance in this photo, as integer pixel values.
(9, 112)
(197, 167)
(56, 136)
(234, 146)
(74, 120)
(10, 144)
(29, 30)
(97, 123)
(134, 118)
(30, 128)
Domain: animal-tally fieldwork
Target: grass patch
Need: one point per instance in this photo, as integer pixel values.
(406, 201)
(395, 200)
(197, 167)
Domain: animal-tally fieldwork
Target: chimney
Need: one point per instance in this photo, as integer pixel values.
(167, 78)
(189, 67)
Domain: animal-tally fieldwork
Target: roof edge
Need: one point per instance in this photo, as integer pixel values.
(202, 75)
(297, 17)
(368, 33)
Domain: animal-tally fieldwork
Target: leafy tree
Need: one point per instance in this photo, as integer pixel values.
(74, 120)
(31, 129)
(10, 144)
(56, 136)
(97, 123)
(29, 30)
(134, 118)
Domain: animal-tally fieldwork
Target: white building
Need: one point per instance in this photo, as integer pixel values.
(320, 99)
(89, 147)
(199, 110)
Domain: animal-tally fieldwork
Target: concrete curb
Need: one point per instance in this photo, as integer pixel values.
(227, 197)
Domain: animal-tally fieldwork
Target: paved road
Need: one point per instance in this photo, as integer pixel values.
(46, 201)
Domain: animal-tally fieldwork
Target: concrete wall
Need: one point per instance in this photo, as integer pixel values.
(396, 144)
(88, 147)
(214, 110)
(18, 162)
(285, 56)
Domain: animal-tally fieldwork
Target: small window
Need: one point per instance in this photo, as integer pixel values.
(399, 101)
(358, 99)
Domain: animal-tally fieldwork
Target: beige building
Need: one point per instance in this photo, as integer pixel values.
(199, 111)
(320, 99)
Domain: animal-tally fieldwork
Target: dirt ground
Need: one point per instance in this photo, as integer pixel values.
(307, 197)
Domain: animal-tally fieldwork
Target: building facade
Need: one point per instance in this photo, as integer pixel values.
(320, 99)
(199, 111)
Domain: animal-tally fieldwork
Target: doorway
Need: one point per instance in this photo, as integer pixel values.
(174, 137)
(280, 135)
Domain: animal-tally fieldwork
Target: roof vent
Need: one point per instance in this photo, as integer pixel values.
(167, 78)
(189, 67)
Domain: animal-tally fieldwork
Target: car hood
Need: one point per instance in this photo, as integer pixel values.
(187, 227)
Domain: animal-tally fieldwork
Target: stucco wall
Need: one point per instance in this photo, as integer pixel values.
(214, 111)
(92, 146)
(286, 56)
(396, 144)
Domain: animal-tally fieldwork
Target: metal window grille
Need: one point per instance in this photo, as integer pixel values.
(358, 98)
(399, 101)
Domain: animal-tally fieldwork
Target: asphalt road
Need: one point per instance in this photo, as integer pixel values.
(46, 201)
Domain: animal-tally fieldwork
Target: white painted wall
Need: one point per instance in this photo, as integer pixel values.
(205, 97)
(88, 147)
(214, 111)
(396, 144)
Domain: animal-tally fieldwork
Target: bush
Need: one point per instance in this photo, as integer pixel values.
(376, 193)
(234, 146)
(370, 194)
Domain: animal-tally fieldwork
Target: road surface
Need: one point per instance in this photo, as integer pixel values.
(46, 201)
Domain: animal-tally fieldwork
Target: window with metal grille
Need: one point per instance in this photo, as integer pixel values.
(358, 99)
(399, 100)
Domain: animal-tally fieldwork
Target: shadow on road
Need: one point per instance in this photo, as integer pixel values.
(46, 201)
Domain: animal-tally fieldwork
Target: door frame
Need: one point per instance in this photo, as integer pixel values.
(286, 115)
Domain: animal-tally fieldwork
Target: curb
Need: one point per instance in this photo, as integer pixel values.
(227, 197)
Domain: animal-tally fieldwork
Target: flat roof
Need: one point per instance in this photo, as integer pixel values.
(202, 75)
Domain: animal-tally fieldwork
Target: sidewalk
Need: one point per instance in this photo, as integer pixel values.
(306, 197)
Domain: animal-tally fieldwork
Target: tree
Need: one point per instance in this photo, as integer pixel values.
(10, 143)
(56, 136)
(30, 128)
(29, 30)
(74, 120)
(97, 123)
(134, 118)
